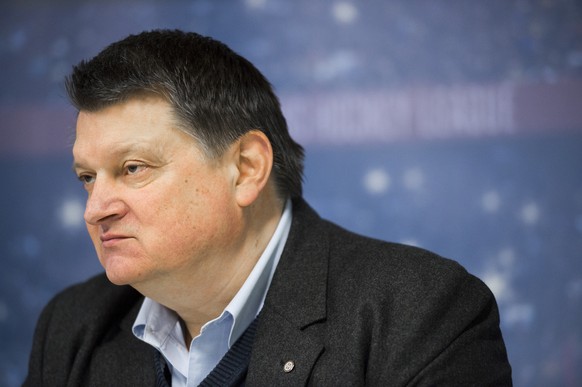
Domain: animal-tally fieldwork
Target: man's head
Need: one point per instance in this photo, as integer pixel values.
(216, 95)
(176, 143)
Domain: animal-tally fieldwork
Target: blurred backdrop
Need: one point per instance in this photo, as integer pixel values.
(454, 125)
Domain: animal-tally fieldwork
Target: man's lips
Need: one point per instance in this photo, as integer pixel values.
(112, 239)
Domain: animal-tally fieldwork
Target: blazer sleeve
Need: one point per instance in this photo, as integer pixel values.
(34, 377)
(475, 354)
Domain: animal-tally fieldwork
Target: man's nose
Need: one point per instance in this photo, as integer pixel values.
(104, 202)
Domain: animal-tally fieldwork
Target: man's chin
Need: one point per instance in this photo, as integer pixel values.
(120, 277)
(116, 279)
(118, 269)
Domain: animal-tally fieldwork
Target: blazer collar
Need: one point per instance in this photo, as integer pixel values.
(291, 324)
(299, 288)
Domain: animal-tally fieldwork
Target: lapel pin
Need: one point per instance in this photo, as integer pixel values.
(289, 366)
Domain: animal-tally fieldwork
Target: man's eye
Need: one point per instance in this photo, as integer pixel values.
(86, 179)
(132, 169)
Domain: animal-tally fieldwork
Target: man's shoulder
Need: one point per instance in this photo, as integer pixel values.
(383, 272)
(371, 260)
(357, 252)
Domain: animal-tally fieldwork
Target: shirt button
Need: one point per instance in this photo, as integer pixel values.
(289, 366)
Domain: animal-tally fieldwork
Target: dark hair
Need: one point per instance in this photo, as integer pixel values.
(216, 94)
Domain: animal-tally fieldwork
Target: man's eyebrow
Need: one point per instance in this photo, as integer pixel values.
(120, 150)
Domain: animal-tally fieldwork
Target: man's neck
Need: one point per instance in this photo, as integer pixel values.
(200, 294)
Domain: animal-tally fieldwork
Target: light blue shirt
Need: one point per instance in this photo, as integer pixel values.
(160, 327)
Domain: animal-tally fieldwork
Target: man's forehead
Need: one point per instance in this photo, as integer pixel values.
(126, 125)
(137, 145)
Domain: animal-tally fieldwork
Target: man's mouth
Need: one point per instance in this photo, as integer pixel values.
(112, 239)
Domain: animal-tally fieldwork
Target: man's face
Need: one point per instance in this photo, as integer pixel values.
(156, 208)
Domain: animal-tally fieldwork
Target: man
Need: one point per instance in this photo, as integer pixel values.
(217, 271)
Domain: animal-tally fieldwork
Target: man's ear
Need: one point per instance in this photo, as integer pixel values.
(254, 161)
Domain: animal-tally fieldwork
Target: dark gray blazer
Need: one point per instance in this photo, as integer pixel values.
(344, 309)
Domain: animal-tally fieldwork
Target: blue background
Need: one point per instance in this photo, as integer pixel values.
(505, 202)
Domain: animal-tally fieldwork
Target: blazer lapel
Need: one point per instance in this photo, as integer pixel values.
(292, 323)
